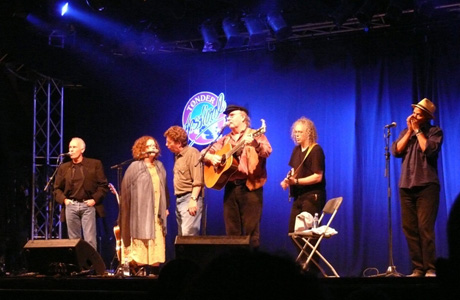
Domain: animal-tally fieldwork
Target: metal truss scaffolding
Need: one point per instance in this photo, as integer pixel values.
(47, 145)
(321, 29)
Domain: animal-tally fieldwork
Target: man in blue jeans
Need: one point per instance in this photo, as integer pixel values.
(80, 186)
(188, 182)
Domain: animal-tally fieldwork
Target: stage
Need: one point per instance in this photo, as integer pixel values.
(222, 267)
(105, 287)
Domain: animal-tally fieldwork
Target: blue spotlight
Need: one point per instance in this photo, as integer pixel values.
(231, 29)
(210, 37)
(64, 8)
(280, 29)
(256, 29)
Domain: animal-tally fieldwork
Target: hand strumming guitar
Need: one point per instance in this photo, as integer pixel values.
(289, 180)
(214, 159)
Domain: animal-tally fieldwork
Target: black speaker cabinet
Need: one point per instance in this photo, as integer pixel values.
(203, 249)
(62, 256)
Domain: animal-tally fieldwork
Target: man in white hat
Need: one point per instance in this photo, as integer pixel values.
(418, 145)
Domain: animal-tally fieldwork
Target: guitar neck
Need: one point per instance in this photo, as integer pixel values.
(240, 144)
(235, 149)
(114, 191)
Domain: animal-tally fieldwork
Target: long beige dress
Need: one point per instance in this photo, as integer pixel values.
(146, 251)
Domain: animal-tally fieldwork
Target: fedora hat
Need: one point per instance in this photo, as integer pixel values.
(427, 106)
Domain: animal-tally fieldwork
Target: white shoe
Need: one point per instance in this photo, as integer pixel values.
(416, 273)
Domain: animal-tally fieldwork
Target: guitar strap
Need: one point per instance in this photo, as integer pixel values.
(308, 152)
(298, 167)
(228, 140)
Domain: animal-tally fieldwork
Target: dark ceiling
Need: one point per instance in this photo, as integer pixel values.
(151, 26)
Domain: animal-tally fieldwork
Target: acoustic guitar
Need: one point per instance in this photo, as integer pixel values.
(215, 177)
(116, 228)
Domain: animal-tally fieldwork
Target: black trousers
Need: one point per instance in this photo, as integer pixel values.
(243, 211)
(419, 209)
(312, 203)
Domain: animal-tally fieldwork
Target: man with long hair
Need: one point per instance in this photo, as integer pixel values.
(306, 178)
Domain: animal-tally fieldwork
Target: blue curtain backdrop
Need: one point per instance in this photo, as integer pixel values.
(350, 90)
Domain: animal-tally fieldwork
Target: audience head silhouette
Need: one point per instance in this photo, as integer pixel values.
(447, 268)
(247, 274)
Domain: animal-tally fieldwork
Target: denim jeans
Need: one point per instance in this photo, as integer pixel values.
(80, 216)
(187, 224)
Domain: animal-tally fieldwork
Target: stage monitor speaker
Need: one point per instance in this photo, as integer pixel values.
(203, 249)
(62, 256)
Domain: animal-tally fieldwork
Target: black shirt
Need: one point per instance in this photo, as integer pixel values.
(314, 163)
(420, 168)
(76, 190)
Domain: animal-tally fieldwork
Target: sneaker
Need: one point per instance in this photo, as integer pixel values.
(416, 273)
(430, 273)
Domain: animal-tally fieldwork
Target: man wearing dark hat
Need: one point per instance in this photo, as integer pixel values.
(243, 197)
(418, 145)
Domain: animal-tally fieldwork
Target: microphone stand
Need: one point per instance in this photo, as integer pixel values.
(119, 168)
(60, 159)
(391, 270)
(201, 161)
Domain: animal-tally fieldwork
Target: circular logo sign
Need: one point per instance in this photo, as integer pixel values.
(203, 117)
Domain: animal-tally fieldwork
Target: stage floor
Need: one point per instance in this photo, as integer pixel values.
(61, 287)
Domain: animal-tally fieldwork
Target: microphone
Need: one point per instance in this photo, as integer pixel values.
(143, 154)
(390, 125)
(223, 127)
(65, 154)
(150, 152)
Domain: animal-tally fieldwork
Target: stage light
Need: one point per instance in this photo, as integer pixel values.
(64, 8)
(256, 29)
(150, 42)
(366, 12)
(232, 31)
(279, 27)
(210, 37)
(98, 5)
(345, 11)
(424, 8)
(394, 11)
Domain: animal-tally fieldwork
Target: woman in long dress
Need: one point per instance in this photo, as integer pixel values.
(144, 207)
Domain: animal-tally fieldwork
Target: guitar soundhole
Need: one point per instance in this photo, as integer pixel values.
(218, 168)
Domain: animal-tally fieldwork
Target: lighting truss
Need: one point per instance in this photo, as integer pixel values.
(47, 144)
(306, 31)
